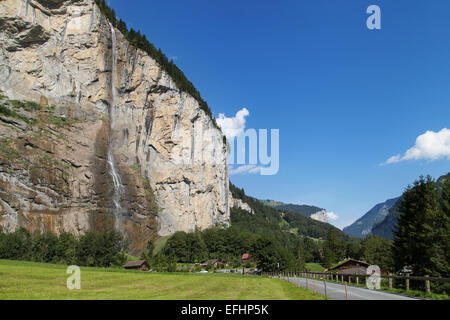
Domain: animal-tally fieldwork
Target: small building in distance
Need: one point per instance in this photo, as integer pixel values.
(350, 267)
(215, 263)
(137, 265)
(246, 258)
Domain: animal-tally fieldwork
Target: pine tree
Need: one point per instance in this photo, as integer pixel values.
(421, 238)
(376, 250)
(332, 249)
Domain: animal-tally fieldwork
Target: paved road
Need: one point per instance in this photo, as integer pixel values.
(337, 291)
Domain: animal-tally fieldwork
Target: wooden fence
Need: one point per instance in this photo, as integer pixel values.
(360, 278)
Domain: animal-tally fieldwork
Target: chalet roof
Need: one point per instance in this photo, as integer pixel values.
(352, 271)
(132, 264)
(350, 261)
(245, 256)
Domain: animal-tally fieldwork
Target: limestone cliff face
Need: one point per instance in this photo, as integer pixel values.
(171, 158)
(238, 203)
(321, 216)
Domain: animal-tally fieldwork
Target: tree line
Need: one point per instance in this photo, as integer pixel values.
(91, 249)
(225, 244)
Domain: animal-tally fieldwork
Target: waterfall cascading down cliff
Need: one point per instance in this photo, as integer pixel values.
(119, 189)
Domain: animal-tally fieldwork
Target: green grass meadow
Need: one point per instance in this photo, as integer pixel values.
(314, 267)
(20, 280)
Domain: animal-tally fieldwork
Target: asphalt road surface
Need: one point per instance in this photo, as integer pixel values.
(337, 291)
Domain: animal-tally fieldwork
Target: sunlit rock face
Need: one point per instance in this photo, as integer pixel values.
(321, 216)
(169, 155)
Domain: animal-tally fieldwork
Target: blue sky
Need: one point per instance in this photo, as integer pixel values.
(344, 98)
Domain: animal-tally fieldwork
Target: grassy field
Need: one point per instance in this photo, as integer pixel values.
(28, 280)
(314, 267)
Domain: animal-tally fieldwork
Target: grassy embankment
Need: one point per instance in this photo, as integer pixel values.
(29, 280)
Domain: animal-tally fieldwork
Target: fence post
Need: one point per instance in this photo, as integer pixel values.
(428, 284)
(325, 288)
(390, 281)
(407, 282)
(357, 280)
(306, 283)
(315, 288)
(346, 291)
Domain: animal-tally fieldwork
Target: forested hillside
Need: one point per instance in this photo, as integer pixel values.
(277, 240)
(302, 209)
(268, 220)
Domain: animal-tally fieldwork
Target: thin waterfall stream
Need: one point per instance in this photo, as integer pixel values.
(119, 189)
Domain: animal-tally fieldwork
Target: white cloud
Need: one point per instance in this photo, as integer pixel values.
(232, 127)
(429, 146)
(332, 216)
(246, 169)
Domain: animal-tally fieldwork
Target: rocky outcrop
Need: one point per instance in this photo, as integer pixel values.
(321, 216)
(238, 203)
(168, 152)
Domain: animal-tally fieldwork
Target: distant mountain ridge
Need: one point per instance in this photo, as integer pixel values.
(313, 212)
(385, 228)
(364, 225)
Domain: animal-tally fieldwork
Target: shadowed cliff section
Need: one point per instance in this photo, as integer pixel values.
(53, 179)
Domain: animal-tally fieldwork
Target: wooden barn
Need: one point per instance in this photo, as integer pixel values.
(137, 265)
(350, 267)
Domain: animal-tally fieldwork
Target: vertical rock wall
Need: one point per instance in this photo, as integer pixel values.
(171, 158)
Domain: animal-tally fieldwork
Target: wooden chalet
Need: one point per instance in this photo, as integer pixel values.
(350, 267)
(137, 265)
